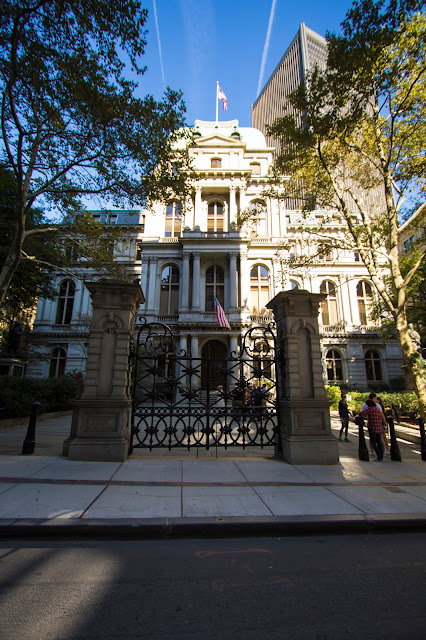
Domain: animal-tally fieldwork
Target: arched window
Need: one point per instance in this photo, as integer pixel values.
(373, 365)
(294, 284)
(215, 287)
(57, 363)
(259, 287)
(216, 163)
(215, 217)
(258, 218)
(65, 302)
(329, 312)
(169, 292)
(173, 220)
(334, 366)
(365, 301)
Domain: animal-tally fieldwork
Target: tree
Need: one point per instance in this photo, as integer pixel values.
(72, 125)
(61, 248)
(355, 144)
(31, 278)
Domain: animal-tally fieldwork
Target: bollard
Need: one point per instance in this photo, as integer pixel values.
(362, 445)
(422, 438)
(395, 452)
(29, 442)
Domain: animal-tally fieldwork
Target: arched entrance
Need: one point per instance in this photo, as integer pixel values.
(213, 364)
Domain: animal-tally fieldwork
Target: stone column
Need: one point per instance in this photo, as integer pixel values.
(144, 274)
(198, 212)
(232, 204)
(195, 381)
(233, 282)
(152, 284)
(100, 421)
(185, 281)
(245, 281)
(180, 368)
(196, 280)
(303, 408)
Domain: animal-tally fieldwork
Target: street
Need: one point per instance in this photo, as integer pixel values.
(319, 588)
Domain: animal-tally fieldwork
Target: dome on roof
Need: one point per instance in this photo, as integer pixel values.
(253, 138)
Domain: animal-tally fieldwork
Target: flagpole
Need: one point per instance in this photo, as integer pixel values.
(217, 101)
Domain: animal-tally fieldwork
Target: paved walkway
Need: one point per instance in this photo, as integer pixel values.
(186, 495)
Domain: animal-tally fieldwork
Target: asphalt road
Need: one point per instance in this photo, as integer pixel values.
(314, 588)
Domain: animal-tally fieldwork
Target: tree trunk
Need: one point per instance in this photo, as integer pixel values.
(414, 363)
(10, 265)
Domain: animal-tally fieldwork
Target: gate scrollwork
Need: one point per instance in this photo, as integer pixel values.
(177, 401)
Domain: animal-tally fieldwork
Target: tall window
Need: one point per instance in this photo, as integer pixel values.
(329, 313)
(365, 301)
(215, 217)
(173, 220)
(65, 302)
(57, 363)
(259, 287)
(215, 287)
(334, 365)
(169, 292)
(373, 365)
(258, 218)
(216, 163)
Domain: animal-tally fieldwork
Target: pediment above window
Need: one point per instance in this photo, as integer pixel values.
(217, 140)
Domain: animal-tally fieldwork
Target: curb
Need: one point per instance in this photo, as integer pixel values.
(179, 528)
(409, 435)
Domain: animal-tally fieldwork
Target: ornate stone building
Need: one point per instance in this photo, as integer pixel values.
(186, 259)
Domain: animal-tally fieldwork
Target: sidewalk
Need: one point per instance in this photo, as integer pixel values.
(183, 495)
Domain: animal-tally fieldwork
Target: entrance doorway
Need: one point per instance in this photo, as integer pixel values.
(213, 364)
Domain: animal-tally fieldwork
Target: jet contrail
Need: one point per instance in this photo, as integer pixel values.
(266, 47)
(159, 43)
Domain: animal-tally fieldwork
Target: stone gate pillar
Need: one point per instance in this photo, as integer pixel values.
(101, 415)
(304, 410)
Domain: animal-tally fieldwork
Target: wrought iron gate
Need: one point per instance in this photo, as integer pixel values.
(177, 401)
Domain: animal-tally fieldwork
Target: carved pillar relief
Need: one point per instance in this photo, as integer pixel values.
(304, 411)
(233, 281)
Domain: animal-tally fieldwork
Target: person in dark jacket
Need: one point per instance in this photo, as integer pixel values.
(344, 417)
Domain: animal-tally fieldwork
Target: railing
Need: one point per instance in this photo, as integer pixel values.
(264, 318)
(168, 319)
(342, 329)
(75, 328)
(333, 330)
(365, 328)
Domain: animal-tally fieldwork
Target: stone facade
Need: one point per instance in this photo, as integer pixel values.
(185, 258)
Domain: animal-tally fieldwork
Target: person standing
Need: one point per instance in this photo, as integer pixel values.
(375, 421)
(385, 442)
(373, 396)
(344, 417)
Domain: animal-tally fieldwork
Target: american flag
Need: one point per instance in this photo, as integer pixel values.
(220, 315)
(223, 97)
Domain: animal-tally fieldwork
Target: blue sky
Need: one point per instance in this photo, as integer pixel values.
(204, 41)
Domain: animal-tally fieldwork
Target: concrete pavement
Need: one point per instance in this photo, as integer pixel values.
(200, 493)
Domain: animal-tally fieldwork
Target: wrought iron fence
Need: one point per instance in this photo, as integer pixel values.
(217, 400)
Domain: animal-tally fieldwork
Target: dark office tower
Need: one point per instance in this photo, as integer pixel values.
(307, 50)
